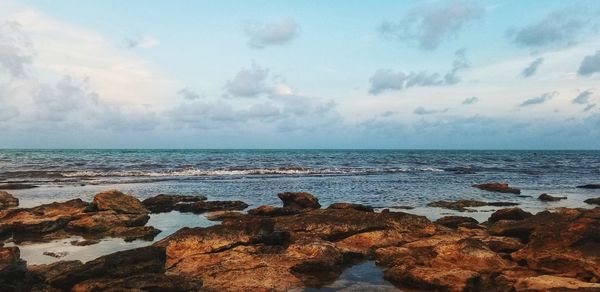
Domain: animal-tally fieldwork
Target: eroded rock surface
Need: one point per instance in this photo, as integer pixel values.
(593, 201)
(7, 200)
(549, 198)
(498, 187)
(166, 203)
(465, 205)
(113, 200)
(299, 200)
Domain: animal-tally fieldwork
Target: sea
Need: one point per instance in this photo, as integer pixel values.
(401, 180)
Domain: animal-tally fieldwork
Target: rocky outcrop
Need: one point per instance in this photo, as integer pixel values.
(200, 207)
(456, 221)
(142, 282)
(593, 201)
(113, 200)
(358, 207)
(114, 215)
(16, 186)
(12, 269)
(554, 283)
(299, 200)
(509, 214)
(497, 187)
(589, 186)
(549, 198)
(465, 205)
(166, 203)
(117, 267)
(271, 211)
(7, 200)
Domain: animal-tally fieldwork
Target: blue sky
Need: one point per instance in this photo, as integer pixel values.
(300, 74)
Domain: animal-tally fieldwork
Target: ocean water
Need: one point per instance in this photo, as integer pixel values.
(381, 178)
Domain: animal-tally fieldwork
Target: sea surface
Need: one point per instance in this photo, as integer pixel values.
(392, 179)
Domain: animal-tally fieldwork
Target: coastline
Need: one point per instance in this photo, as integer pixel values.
(362, 244)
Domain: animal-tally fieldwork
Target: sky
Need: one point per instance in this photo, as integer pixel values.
(300, 74)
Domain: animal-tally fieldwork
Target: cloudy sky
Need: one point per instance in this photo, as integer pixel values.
(301, 74)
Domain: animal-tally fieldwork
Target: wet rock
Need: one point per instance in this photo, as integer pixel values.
(554, 283)
(549, 198)
(299, 200)
(509, 214)
(565, 242)
(431, 279)
(210, 206)
(593, 201)
(12, 269)
(497, 187)
(273, 211)
(464, 205)
(166, 203)
(85, 242)
(223, 215)
(113, 200)
(16, 186)
(358, 207)
(41, 219)
(589, 186)
(64, 275)
(7, 200)
(454, 221)
(143, 282)
(60, 254)
(103, 221)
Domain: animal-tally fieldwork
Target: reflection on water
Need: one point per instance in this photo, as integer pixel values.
(365, 276)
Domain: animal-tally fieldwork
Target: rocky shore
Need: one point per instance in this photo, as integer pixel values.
(302, 244)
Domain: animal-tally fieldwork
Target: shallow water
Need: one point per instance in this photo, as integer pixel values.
(384, 179)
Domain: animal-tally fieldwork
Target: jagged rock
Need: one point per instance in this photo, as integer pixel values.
(85, 242)
(589, 186)
(555, 284)
(210, 206)
(7, 200)
(16, 186)
(273, 211)
(143, 282)
(565, 242)
(497, 187)
(509, 214)
(166, 203)
(113, 200)
(41, 219)
(454, 221)
(55, 254)
(222, 215)
(593, 201)
(12, 269)
(122, 264)
(464, 205)
(431, 279)
(299, 200)
(358, 207)
(549, 198)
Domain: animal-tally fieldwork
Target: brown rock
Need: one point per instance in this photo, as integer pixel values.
(431, 279)
(210, 206)
(554, 283)
(299, 200)
(222, 215)
(454, 221)
(549, 198)
(166, 203)
(64, 275)
(463, 205)
(566, 242)
(12, 269)
(509, 214)
(593, 201)
(358, 207)
(497, 187)
(41, 219)
(113, 200)
(7, 200)
(55, 254)
(273, 211)
(143, 282)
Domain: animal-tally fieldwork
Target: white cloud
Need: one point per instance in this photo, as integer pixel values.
(261, 35)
